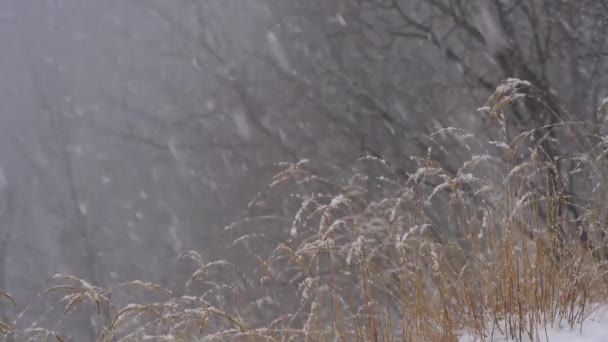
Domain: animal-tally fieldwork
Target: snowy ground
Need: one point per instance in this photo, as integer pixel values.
(594, 329)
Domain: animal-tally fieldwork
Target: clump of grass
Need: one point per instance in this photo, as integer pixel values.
(423, 256)
(492, 246)
(5, 327)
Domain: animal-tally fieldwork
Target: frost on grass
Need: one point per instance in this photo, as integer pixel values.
(436, 253)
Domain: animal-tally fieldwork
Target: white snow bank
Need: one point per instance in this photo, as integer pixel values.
(594, 329)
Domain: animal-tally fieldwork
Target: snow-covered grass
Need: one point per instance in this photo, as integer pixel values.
(487, 251)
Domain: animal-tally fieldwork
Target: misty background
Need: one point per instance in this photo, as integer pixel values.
(134, 130)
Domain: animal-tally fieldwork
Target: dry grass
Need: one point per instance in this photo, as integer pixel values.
(387, 256)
